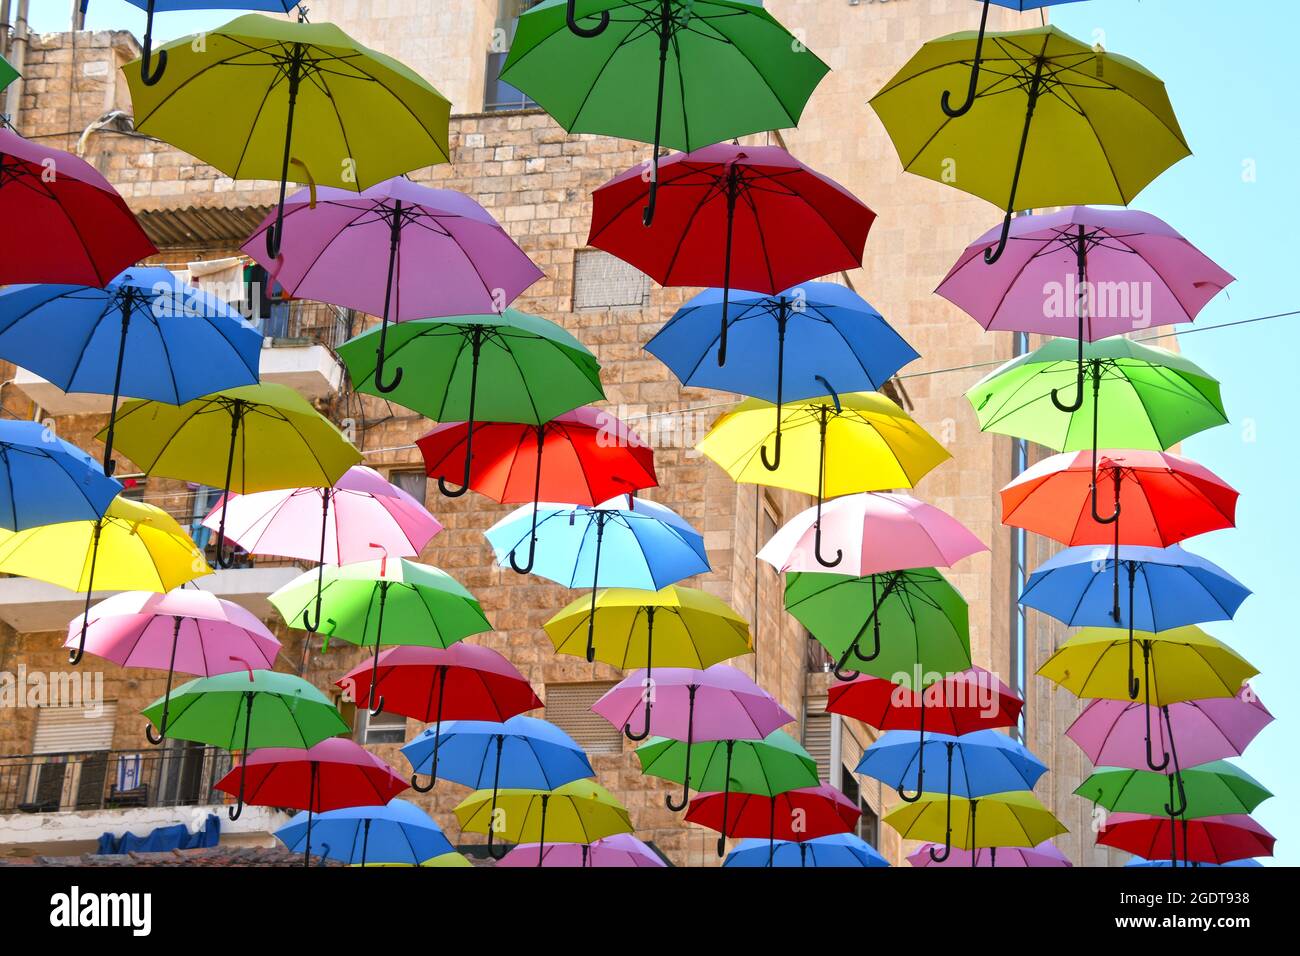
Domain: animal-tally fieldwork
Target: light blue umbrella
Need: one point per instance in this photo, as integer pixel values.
(810, 340)
(625, 542)
(399, 832)
(1138, 861)
(46, 480)
(838, 849)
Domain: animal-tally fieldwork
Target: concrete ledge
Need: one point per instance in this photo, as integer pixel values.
(79, 831)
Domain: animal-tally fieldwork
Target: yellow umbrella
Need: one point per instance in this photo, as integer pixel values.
(1014, 818)
(579, 812)
(144, 549)
(254, 438)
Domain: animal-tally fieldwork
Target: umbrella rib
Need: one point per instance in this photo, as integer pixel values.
(626, 39)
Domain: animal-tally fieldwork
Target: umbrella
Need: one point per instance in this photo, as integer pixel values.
(75, 226)
(581, 811)
(361, 117)
(917, 621)
(957, 703)
(7, 73)
(1045, 854)
(1052, 121)
(359, 514)
(143, 548)
(193, 632)
(1218, 840)
(583, 456)
(619, 850)
(717, 703)
(148, 74)
(727, 66)
(1015, 818)
(330, 775)
(797, 814)
(875, 532)
(397, 250)
(753, 216)
(835, 849)
(254, 438)
(144, 334)
(1212, 789)
(1138, 861)
(396, 832)
(821, 329)
(46, 480)
(423, 605)
(839, 445)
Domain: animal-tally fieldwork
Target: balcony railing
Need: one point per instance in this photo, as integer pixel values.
(302, 322)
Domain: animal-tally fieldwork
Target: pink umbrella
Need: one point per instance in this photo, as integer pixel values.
(621, 850)
(1113, 732)
(193, 632)
(360, 516)
(1045, 854)
(877, 531)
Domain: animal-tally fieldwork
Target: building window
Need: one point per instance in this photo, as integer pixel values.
(496, 94)
(411, 480)
(817, 741)
(568, 706)
(602, 281)
(62, 781)
(385, 729)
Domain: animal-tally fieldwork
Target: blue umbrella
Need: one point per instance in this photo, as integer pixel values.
(793, 345)
(1138, 861)
(46, 480)
(399, 832)
(150, 76)
(838, 849)
(146, 334)
(644, 545)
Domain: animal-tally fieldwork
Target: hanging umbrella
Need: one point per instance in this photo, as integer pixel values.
(46, 480)
(726, 68)
(581, 811)
(422, 605)
(1045, 854)
(835, 849)
(822, 331)
(957, 703)
(75, 226)
(839, 445)
(875, 532)
(1138, 861)
(7, 73)
(331, 775)
(797, 814)
(917, 622)
(144, 334)
(370, 835)
(148, 74)
(254, 438)
(583, 456)
(397, 250)
(1053, 121)
(1210, 790)
(193, 632)
(753, 216)
(274, 95)
(360, 514)
(1218, 840)
(143, 549)
(619, 850)
(1014, 819)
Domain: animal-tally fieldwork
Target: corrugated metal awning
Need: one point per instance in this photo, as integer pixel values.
(201, 225)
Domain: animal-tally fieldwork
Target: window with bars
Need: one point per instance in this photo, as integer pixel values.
(411, 480)
(384, 729)
(568, 706)
(496, 94)
(602, 281)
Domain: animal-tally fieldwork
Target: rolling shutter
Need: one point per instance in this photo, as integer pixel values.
(568, 706)
(817, 741)
(62, 730)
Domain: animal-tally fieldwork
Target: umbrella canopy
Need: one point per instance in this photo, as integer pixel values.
(75, 226)
(397, 832)
(1045, 854)
(1210, 790)
(875, 531)
(1217, 840)
(1138, 861)
(957, 703)
(1002, 819)
(619, 850)
(979, 763)
(7, 73)
(581, 811)
(836, 849)
(149, 74)
(798, 814)
(46, 480)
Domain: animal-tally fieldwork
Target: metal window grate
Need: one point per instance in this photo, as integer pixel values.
(817, 741)
(602, 281)
(75, 729)
(568, 706)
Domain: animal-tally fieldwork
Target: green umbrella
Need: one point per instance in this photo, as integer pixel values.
(1209, 790)
(682, 73)
(7, 73)
(531, 368)
(419, 605)
(916, 621)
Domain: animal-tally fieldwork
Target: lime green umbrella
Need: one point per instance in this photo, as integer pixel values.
(418, 604)
(1208, 790)
(896, 622)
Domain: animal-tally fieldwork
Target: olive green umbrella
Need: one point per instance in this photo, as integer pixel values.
(1208, 790)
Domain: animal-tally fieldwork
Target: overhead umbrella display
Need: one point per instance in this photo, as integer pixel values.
(255, 438)
(369, 835)
(397, 250)
(581, 811)
(283, 100)
(1217, 840)
(725, 68)
(75, 226)
(46, 480)
(145, 334)
(957, 703)
(823, 332)
(798, 814)
(583, 456)
(835, 849)
(620, 850)
(1210, 790)
(151, 72)
(1014, 819)
(1138, 861)
(1052, 121)
(839, 445)
(753, 217)
(142, 547)
(360, 515)
(1046, 854)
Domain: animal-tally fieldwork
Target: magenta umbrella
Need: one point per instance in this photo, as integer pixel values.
(877, 531)
(1113, 733)
(619, 850)
(1045, 854)
(193, 632)
(361, 517)
(397, 250)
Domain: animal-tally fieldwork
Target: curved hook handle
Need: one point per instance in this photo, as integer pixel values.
(722, 844)
(149, 735)
(386, 387)
(648, 212)
(841, 674)
(817, 549)
(74, 657)
(570, 17)
(947, 847)
(773, 463)
(993, 255)
(1103, 519)
(274, 233)
(448, 491)
(627, 728)
(309, 624)
(421, 788)
(150, 76)
(224, 558)
(1182, 798)
(674, 806)
(238, 808)
(1077, 403)
(945, 101)
(375, 709)
(532, 544)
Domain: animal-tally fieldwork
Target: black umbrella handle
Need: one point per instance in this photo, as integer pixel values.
(309, 623)
(440, 686)
(375, 709)
(1133, 682)
(128, 300)
(238, 808)
(1146, 682)
(167, 697)
(150, 76)
(394, 240)
(665, 37)
(649, 684)
(476, 349)
(1081, 270)
(595, 583)
(275, 232)
(726, 795)
(492, 811)
(945, 101)
(774, 462)
(821, 493)
(236, 413)
(733, 191)
(571, 18)
(74, 657)
(939, 857)
(874, 619)
(679, 805)
(527, 566)
(1035, 86)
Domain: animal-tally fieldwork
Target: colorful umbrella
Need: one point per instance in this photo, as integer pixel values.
(1217, 840)
(397, 832)
(1138, 861)
(798, 814)
(754, 216)
(76, 228)
(619, 850)
(150, 76)
(835, 849)
(1002, 819)
(581, 811)
(1045, 854)
(957, 703)
(7, 73)
(1210, 790)
(46, 480)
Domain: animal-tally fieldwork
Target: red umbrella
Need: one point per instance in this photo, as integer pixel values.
(75, 228)
(1220, 839)
(582, 457)
(752, 217)
(959, 703)
(797, 815)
